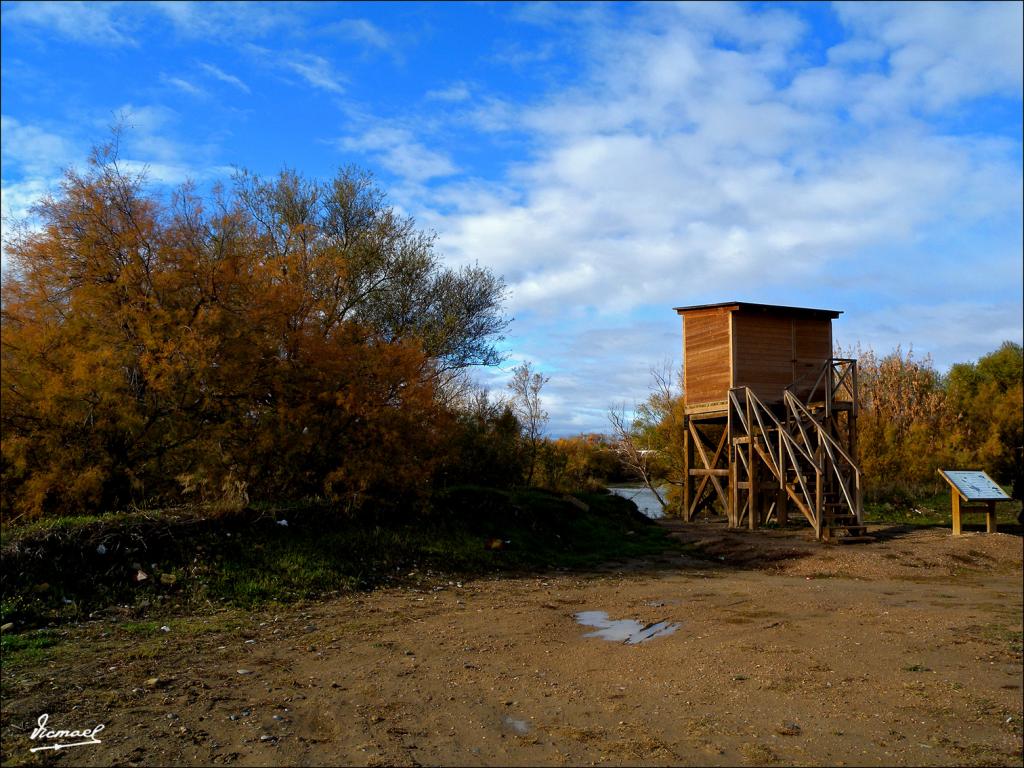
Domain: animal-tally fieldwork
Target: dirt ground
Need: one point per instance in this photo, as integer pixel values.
(903, 651)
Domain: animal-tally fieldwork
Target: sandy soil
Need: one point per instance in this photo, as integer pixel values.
(905, 651)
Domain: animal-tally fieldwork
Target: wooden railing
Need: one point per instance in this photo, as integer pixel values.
(799, 450)
(840, 466)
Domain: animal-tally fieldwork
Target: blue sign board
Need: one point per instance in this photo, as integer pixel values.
(974, 485)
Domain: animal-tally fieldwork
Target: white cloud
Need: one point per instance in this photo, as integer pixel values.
(315, 70)
(16, 201)
(938, 53)
(32, 149)
(224, 77)
(120, 24)
(399, 152)
(147, 118)
(183, 85)
(95, 23)
(363, 31)
(682, 160)
(948, 331)
(33, 163)
(226, 20)
(454, 92)
(678, 171)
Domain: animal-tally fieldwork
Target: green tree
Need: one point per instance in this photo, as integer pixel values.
(985, 413)
(526, 385)
(651, 443)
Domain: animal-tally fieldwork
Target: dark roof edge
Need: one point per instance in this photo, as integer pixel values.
(761, 308)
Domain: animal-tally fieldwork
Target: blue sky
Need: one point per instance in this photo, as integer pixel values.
(611, 161)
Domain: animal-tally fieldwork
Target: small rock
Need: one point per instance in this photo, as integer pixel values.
(788, 729)
(171, 716)
(245, 671)
(101, 550)
(141, 575)
(283, 523)
(168, 578)
(267, 737)
(165, 628)
(246, 712)
(278, 717)
(232, 717)
(153, 682)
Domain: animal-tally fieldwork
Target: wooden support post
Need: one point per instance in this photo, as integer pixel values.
(753, 510)
(731, 508)
(960, 507)
(687, 463)
(780, 498)
(819, 505)
(734, 510)
(752, 490)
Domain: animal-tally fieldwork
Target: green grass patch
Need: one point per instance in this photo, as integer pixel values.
(140, 627)
(933, 510)
(161, 564)
(28, 648)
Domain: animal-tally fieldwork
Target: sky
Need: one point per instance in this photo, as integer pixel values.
(611, 161)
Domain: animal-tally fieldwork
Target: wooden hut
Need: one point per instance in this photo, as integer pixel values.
(771, 416)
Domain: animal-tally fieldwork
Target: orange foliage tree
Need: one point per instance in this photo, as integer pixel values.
(284, 339)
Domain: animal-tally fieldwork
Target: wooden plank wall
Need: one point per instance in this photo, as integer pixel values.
(812, 348)
(772, 352)
(764, 354)
(706, 370)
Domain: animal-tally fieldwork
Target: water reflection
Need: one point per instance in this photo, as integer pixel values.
(625, 631)
(642, 496)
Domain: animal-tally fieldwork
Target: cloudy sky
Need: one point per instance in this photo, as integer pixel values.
(611, 161)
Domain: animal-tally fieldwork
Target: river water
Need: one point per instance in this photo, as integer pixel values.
(643, 498)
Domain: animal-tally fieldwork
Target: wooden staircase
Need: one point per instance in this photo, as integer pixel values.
(798, 453)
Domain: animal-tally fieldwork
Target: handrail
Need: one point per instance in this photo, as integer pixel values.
(805, 446)
(832, 447)
(792, 447)
(821, 431)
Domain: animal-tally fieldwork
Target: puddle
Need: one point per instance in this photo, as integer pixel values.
(625, 631)
(519, 726)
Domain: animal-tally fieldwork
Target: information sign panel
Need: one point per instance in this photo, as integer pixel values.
(974, 485)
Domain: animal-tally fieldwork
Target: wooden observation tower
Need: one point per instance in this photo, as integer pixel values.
(771, 418)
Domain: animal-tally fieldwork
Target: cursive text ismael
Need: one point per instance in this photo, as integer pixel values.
(85, 735)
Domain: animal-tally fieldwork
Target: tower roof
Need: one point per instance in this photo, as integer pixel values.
(774, 309)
